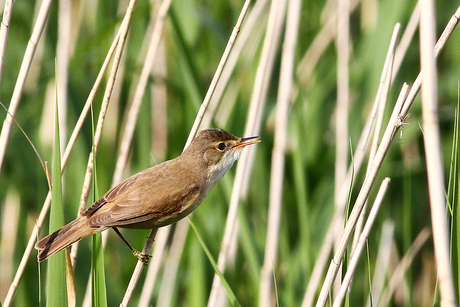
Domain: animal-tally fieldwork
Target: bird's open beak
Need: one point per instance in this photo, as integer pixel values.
(248, 141)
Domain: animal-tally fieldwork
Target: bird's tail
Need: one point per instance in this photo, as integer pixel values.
(64, 237)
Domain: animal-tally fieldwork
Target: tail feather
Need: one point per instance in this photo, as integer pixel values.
(64, 237)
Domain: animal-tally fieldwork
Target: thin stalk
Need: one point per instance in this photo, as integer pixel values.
(445, 35)
(172, 265)
(159, 101)
(433, 152)
(154, 267)
(341, 114)
(382, 151)
(343, 101)
(138, 270)
(133, 111)
(218, 72)
(47, 202)
(62, 65)
(253, 123)
(382, 263)
(381, 102)
(361, 243)
(4, 27)
(361, 149)
(9, 232)
(317, 273)
(319, 45)
(140, 91)
(248, 35)
(406, 39)
(105, 104)
(279, 150)
(397, 277)
(23, 72)
(322, 258)
(392, 128)
(201, 112)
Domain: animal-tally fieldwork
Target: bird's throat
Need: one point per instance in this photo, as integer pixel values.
(218, 170)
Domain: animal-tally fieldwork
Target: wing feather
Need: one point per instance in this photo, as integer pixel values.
(111, 195)
(142, 202)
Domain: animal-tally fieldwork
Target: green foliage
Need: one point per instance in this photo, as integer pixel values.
(98, 286)
(56, 278)
(453, 202)
(194, 38)
(230, 294)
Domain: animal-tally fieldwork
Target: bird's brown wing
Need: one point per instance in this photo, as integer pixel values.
(139, 199)
(165, 210)
(111, 195)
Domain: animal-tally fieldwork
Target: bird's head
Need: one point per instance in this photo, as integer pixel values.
(219, 150)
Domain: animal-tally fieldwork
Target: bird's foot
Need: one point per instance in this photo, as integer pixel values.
(142, 257)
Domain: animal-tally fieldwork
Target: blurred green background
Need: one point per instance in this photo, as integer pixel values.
(194, 38)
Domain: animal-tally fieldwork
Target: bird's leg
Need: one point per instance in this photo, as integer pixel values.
(143, 257)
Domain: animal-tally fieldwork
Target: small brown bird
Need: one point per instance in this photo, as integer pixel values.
(157, 196)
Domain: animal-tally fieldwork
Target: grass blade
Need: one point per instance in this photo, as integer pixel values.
(452, 201)
(56, 280)
(98, 287)
(228, 290)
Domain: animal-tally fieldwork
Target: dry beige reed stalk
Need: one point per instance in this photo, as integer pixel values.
(183, 229)
(21, 80)
(341, 115)
(9, 230)
(101, 119)
(397, 277)
(406, 39)
(248, 35)
(154, 268)
(445, 35)
(4, 27)
(153, 45)
(314, 280)
(351, 268)
(155, 39)
(218, 72)
(47, 202)
(138, 270)
(140, 92)
(322, 40)
(433, 154)
(105, 101)
(394, 123)
(402, 115)
(62, 66)
(323, 255)
(361, 148)
(317, 273)
(383, 261)
(62, 76)
(172, 265)
(244, 167)
(65, 156)
(193, 131)
(284, 100)
(380, 102)
(343, 96)
(159, 102)
(159, 146)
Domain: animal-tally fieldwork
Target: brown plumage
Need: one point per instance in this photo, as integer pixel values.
(157, 196)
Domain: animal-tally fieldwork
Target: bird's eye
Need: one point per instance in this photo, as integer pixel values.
(221, 146)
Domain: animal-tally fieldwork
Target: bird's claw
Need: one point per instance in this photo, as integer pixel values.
(142, 257)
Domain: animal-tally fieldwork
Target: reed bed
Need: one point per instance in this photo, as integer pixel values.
(336, 91)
